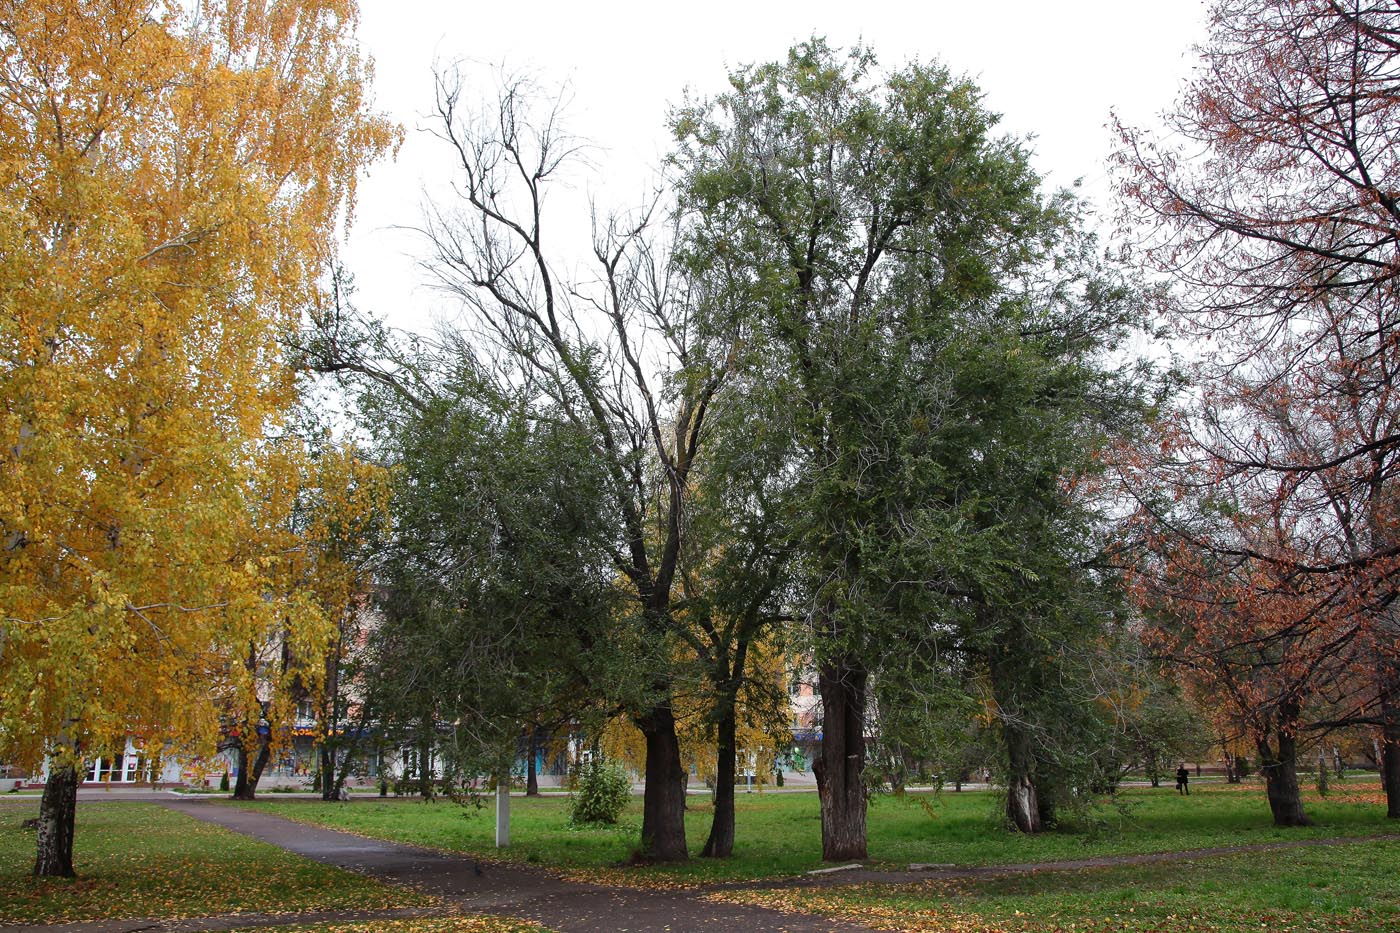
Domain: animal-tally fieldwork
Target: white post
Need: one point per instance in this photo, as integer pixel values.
(503, 813)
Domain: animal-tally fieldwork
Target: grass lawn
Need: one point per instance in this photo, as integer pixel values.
(141, 860)
(1331, 889)
(780, 834)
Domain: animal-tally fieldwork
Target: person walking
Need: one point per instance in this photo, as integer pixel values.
(1183, 780)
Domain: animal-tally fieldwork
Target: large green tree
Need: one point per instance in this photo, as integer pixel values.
(932, 320)
(497, 597)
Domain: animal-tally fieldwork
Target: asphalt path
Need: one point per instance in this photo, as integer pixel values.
(507, 890)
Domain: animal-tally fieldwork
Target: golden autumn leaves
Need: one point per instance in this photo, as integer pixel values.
(172, 181)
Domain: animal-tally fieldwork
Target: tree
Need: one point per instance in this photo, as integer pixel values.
(1155, 721)
(896, 255)
(342, 519)
(616, 358)
(736, 576)
(172, 181)
(1273, 206)
(496, 595)
(1223, 577)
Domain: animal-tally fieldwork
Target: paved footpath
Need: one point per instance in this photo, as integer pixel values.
(509, 890)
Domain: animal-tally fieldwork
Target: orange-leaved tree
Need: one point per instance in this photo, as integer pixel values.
(1271, 202)
(173, 175)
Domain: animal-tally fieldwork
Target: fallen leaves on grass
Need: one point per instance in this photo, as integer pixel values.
(838, 904)
(428, 925)
(882, 909)
(140, 860)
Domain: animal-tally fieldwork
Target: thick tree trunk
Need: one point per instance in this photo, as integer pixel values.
(57, 811)
(246, 787)
(1388, 753)
(532, 778)
(663, 801)
(1390, 766)
(241, 790)
(1281, 781)
(721, 841)
(1022, 797)
(840, 783)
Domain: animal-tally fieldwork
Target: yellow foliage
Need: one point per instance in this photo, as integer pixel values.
(171, 178)
(762, 731)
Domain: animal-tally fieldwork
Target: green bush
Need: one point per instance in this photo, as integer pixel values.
(601, 791)
(223, 781)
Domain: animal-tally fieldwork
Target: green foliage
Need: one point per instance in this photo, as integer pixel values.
(498, 591)
(933, 330)
(601, 792)
(223, 781)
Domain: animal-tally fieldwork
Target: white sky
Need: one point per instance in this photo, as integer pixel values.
(1052, 69)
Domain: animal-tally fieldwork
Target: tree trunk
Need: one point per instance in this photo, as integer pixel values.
(1231, 774)
(241, 790)
(1390, 766)
(532, 779)
(721, 841)
(425, 762)
(663, 801)
(327, 788)
(57, 810)
(841, 785)
(247, 786)
(1022, 799)
(1281, 781)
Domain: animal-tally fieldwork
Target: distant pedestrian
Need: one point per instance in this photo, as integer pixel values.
(1183, 780)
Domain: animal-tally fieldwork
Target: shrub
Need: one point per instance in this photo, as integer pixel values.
(600, 794)
(223, 781)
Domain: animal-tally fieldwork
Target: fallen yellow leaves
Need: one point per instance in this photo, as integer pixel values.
(426, 925)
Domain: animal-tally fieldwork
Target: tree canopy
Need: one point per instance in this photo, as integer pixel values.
(173, 177)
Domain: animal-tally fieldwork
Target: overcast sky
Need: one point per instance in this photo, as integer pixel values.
(1052, 69)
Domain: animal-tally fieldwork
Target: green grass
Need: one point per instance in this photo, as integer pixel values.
(141, 860)
(780, 834)
(1332, 889)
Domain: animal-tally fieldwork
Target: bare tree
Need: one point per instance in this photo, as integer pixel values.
(616, 352)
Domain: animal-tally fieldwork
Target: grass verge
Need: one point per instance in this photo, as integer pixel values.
(780, 834)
